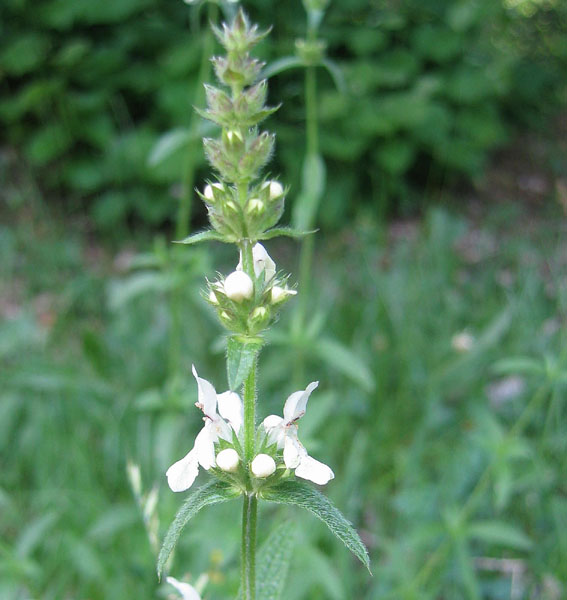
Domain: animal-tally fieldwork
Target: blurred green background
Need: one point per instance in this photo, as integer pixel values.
(433, 313)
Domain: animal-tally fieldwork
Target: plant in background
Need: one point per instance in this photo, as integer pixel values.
(257, 462)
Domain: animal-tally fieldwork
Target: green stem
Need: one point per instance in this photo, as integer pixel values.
(250, 414)
(249, 507)
(249, 516)
(185, 205)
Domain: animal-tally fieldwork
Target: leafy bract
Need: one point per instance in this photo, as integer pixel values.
(203, 236)
(284, 231)
(241, 354)
(301, 494)
(213, 492)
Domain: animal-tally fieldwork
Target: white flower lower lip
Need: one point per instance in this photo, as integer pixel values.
(283, 432)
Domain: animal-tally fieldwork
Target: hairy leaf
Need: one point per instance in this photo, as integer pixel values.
(285, 231)
(202, 236)
(213, 492)
(302, 494)
(241, 354)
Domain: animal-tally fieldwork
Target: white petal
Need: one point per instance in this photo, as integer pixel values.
(207, 395)
(292, 451)
(188, 592)
(263, 262)
(275, 428)
(296, 404)
(314, 471)
(205, 446)
(182, 474)
(230, 408)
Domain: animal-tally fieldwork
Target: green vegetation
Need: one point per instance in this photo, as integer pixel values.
(450, 456)
(439, 341)
(430, 88)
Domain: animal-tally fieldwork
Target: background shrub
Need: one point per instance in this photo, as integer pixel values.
(433, 86)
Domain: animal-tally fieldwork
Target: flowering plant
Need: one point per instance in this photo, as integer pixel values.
(255, 462)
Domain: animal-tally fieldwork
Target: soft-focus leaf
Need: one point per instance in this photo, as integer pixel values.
(312, 188)
(345, 361)
(303, 495)
(500, 533)
(274, 557)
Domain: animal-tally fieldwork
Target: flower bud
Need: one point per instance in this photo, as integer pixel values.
(255, 207)
(259, 318)
(227, 460)
(209, 191)
(263, 466)
(213, 298)
(276, 189)
(238, 286)
(280, 294)
(233, 136)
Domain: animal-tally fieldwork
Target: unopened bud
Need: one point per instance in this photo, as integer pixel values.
(213, 298)
(276, 190)
(209, 192)
(233, 135)
(255, 206)
(280, 294)
(227, 460)
(238, 286)
(259, 315)
(231, 205)
(263, 466)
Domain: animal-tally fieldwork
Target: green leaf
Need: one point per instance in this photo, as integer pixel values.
(273, 563)
(213, 492)
(301, 494)
(345, 361)
(203, 236)
(336, 73)
(312, 188)
(168, 144)
(280, 65)
(500, 533)
(518, 364)
(285, 231)
(241, 354)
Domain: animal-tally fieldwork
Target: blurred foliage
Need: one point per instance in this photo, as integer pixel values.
(448, 457)
(432, 86)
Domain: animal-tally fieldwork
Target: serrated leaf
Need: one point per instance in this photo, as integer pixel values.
(213, 492)
(345, 361)
(284, 231)
(501, 533)
(203, 236)
(241, 354)
(303, 495)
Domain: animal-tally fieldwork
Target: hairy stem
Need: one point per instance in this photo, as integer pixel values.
(249, 514)
(250, 414)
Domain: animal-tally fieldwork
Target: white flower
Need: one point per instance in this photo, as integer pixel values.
(262, 262)
(276, 189)
(188, 592)
(182, 474)
(283, 432)
(238, 286)
(263, 466)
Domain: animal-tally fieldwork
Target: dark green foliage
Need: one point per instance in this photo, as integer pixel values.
(431, 88)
